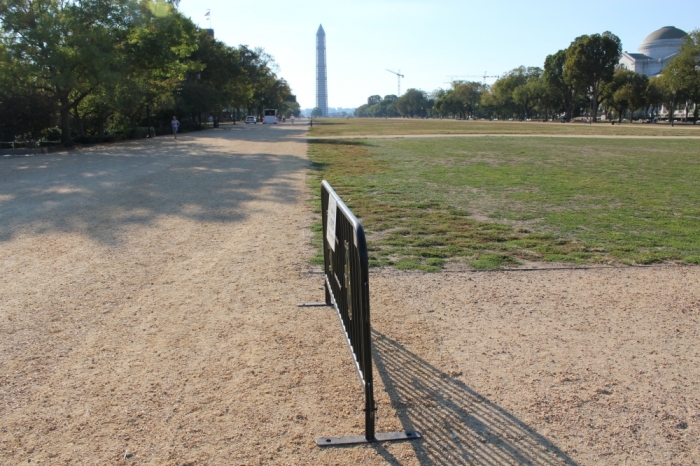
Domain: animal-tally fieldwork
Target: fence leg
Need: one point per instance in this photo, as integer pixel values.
(327, 303)
(370, 409)
(328, 295)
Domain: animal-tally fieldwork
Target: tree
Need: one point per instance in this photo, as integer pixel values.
(529, 94)
(503, 92)
(374, 99)
(672, 91)
(414, 102)
(290, 106)
(126, 51)
(686, 68)
(99, 66)
(317, 112)
(150, 73)
(462, 100)
(67, 48)
(362, 111)
(562, 93)
(654, 95)
(625, 91)
(590, 61)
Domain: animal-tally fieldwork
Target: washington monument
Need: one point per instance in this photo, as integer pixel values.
(321, 81)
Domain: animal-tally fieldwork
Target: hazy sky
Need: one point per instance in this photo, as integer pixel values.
(427, 40)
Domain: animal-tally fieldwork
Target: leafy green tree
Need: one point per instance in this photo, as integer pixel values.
(502, 99)
(654, 95)
(68, 48)
(128, 53)
(414, 102)
(290, 106)
(362, 111)
(446, 104)
(561, 92)
(461, 100)
(686, 70)
(149, 71)
(469, 94)
(591, 61)
(100, 65)
(673, 91)
(530, 94)
(374, 99)
(384, 109)
(625, 91)
(489, 103)
(317, 112)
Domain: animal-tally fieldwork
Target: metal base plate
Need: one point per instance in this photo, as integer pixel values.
(312, 304)
(356, 439)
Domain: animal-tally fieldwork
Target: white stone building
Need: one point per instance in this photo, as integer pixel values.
(655, 52)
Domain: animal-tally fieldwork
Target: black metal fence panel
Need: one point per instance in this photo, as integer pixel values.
(347, 287)
(346, 273)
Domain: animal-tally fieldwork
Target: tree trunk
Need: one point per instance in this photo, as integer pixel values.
(671, 112)
(65, 121)
(594, 104)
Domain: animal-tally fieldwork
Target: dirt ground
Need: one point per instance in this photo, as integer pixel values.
(147, 316)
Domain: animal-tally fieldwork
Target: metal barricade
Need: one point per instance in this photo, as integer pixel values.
(346, 274)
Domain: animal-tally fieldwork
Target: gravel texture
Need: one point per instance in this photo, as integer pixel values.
(147, 316)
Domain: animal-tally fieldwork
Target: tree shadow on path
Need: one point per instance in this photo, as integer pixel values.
(459, 425)
(100, 190)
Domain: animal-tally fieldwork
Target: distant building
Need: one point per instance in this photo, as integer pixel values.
(655, 52)
(210, 32)
(321, 79)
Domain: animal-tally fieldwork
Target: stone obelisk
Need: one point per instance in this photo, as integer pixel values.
(321, 81)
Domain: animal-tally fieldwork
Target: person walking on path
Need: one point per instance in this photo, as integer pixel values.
(176, 125)
(292, 118)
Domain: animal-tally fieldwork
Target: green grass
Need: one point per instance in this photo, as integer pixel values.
(496, 202)
(399, 126)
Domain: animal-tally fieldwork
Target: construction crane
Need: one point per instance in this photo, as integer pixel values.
(482, 76)
(398, 76)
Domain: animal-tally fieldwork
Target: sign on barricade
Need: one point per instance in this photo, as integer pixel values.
(346, 275)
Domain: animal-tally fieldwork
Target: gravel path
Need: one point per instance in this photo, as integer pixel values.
(147, 316)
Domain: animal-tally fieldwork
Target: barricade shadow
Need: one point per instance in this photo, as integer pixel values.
(459, 425)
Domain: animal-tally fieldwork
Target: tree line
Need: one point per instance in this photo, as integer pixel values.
(91, 70)
(584, 79)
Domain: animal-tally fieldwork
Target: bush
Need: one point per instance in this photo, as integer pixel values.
(134, 133)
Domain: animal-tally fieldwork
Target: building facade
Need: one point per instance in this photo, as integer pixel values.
(655, 52)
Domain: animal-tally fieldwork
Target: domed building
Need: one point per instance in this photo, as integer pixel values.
(655, 52)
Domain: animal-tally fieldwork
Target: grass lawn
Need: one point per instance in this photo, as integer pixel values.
(378, 126)
(494, 202)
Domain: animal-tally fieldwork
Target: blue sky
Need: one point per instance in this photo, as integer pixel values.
(427, 40)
